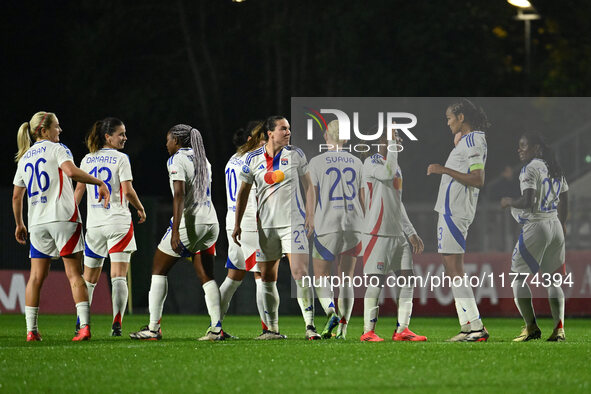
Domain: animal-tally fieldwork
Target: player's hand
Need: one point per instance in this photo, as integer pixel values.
(506, 202)
(142, 215)
(21, 234)
(417, 244)
(104, 194)
(435, 169)
(309, 226)
(236, 235)
(175, 241)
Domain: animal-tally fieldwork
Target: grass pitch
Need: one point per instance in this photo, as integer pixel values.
(179, 363)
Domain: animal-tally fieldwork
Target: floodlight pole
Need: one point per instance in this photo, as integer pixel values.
(527, 18)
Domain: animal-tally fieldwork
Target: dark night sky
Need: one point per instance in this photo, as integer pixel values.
(86, 60)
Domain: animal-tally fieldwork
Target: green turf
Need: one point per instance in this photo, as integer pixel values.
(179, 363)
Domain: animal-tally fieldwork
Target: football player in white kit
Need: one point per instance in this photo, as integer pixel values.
(45, 172)
(109, 231)
(462, 177)
(276, 169)
(192, 233)
(386, 227)
(242, 259)
(542, 210)
(336, 176)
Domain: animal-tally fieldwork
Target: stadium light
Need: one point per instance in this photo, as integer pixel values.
(520, 3)
(526, 13)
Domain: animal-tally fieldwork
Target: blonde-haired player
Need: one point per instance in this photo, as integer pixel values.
(45, 172)
(242, 259)
(336, 176)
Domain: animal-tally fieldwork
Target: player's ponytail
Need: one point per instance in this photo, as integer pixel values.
(201, 180)
(95, 139)
(257, 135)
(29, 131)
(473, 115)
(545, 152)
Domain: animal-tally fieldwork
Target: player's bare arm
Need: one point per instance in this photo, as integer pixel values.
(132, 197)
(526, 201)
(178, 203)
(79, 192)
(474, 178)
(241, 201)
(20, 233)
(563, 210)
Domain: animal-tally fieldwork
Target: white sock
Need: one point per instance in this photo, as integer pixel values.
(119, 295)
(556, 300)
(83, 311)
(90, 287)
(306, 301)
(326, 297)
(465, 297)
(462, 317)
(404, 308)
(346, 301)
(156, 298)
(271, 305)
(212, 300)
(522, 298)
(261, 308)
(371, 308)
(31, 313)
(227, 290)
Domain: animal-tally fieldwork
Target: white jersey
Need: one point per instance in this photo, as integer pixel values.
(385, 214)
(337, 175)
(455, 199)
(277, 182)
(547, 191)
(249, 220)
(180, 168)
(112, 167)
(49, 190)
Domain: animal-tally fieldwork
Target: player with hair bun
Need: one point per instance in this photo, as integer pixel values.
(109, 231)
(462, 177)
(192, 233)
(45, 171)
(542, 211)
(242, 259)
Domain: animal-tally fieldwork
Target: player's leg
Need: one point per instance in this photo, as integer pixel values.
(161, 265)
(468, 313)
(73, 268)
(270, 294)
(346, 293)
(119, 289)
(229, 287)
(322, 271)
(553, 262)
(39, 272)
(259, 299)
(203, 263)
(298, 264)
(371, 307)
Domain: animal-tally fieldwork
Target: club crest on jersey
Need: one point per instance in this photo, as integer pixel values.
(380, 266)
(284, 161)
(245, 169)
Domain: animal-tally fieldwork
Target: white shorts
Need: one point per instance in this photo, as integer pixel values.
(385, 254)
(117, 241)
(243, 257)
(328, 246)
(55, 239)
(540, 248)
(202, 239)
(451, 234)
(274, 242)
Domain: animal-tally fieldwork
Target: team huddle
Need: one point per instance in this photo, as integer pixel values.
(337, 208)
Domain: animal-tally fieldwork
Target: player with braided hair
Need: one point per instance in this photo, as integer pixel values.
(192, 233)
